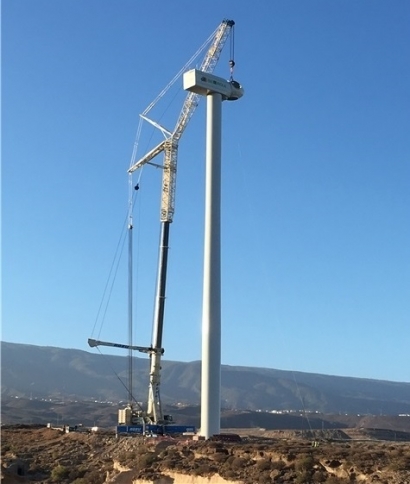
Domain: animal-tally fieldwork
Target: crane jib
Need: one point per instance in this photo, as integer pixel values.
(143, 349)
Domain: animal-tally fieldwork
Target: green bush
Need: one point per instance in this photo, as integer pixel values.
(146, 460)
(59, 473)
(305, 463)
(303, 478)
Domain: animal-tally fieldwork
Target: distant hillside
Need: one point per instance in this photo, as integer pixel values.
(57, 373)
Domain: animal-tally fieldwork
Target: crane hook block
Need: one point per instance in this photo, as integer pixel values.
(231, 63)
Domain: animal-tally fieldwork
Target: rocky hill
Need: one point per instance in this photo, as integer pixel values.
(67, 374)
(46, 455)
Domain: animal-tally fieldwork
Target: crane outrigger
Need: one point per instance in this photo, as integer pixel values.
(153, 416)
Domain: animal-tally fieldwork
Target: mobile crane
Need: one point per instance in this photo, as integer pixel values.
(154, 416)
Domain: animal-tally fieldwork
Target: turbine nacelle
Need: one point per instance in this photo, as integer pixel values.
(203, 83)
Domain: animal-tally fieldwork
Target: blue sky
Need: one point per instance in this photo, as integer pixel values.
(316, 179)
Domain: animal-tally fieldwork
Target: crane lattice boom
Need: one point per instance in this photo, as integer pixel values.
(170, 145)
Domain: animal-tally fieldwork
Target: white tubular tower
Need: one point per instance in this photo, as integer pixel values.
(216, 90)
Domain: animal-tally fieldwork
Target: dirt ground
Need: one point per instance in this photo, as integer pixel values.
(44, 455)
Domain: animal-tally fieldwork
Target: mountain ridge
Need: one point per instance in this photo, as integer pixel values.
(78, 374)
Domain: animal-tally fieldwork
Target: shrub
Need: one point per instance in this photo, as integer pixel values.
(303, 477)
(399, 464)
(238, 463)
(168, 464)
(263, 464)
(278, 465)
(94, 477)
(319, 476)
(59, 473)
(305, 463)
(263, 478)
(291, 456)
(202, 470)
(146, 460)
(336, 480)
(173, 453)
(75, 473)
(219, 458)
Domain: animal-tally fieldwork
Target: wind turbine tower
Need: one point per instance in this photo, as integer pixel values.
(216, 90)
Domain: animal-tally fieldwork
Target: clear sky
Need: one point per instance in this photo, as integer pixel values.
(316, 179)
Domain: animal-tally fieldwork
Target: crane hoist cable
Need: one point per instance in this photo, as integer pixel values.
(179, 73)
(232, 53)
(106, 358)
(113, 271)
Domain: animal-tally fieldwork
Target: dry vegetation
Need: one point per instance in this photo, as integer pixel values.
(44, 455)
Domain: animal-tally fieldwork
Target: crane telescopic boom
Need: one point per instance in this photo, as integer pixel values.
(169, 146)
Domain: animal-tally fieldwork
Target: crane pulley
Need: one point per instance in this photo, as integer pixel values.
(232, 54)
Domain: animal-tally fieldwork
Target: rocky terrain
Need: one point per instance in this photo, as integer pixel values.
(45, 455)
(349, 430)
